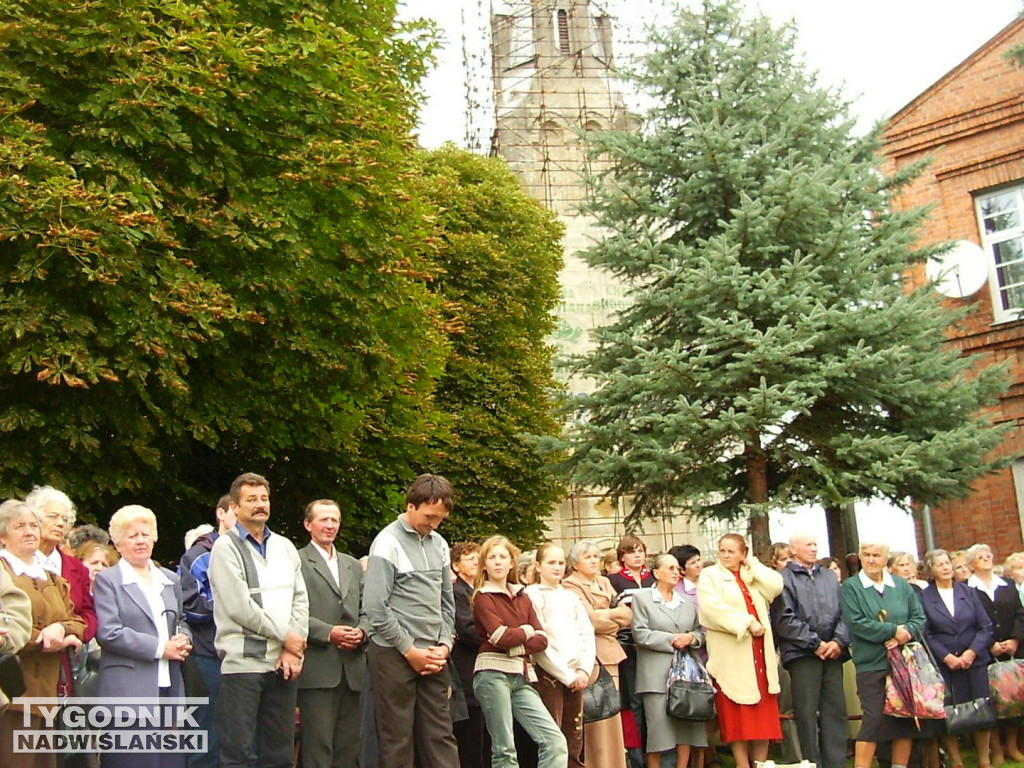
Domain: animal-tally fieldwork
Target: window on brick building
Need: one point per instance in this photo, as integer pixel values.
(1001, 221)
(1018, 485)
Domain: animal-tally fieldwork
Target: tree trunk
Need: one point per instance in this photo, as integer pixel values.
(757, 493)
(842, 531)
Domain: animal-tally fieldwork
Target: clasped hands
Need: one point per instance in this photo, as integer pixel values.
(177, 648)
(963, 661)
(427, 661)
(682, 640)
(827, 651)
(346, 638)
(902, 637)
(53, 639)
(289, 663)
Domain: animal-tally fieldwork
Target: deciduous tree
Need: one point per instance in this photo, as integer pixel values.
(212, 254)
(498, 258)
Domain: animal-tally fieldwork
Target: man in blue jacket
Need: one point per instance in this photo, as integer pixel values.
(198, 603)
(813, 643)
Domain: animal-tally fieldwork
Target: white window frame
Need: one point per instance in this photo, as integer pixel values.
(989, 240)
(1017, 470)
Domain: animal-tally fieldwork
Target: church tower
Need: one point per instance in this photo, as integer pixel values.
(554, 82)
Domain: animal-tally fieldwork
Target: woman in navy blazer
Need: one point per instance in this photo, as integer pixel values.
(139, 607)
(958, 632)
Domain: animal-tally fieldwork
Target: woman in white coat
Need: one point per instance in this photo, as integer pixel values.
(734, 596)
(664, 621)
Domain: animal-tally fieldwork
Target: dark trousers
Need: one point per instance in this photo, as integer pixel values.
(473, 739)
(256, 708)
(330, 726)
(413, 721)
(820, 710)
(566, 708)
(206, 714)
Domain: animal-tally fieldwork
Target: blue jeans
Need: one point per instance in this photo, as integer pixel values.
(206, 714)
(504, 697)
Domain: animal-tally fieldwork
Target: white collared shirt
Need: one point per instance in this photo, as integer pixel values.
(331, 560)
(990, 588)
(51, 562)
(866, 581)
(33, 570)
(153, 592)
(675, 602)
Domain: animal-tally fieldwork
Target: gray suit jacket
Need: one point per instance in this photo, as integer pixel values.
(654, 626)
(331, 605)
(127, 634)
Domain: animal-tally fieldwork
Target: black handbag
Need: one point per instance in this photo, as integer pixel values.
(690, 695)
(691, 701)
(12, 678)
(600, 698)
(976, 715)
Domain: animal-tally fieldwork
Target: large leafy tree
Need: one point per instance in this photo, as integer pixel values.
(497, 260)
(212, 254)
(773, 352)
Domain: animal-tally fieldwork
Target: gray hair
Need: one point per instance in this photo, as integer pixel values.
(88, 532)
(974, 549)
(125, 516)
(934, 554)
(801, 535)
(12, 509)
(578, 550)
(874, 545)
(659, 560)
(42, 495)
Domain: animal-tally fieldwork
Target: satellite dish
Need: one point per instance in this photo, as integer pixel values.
(959, 272)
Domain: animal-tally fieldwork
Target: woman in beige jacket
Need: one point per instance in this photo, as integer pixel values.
(734, 596)
(603, 746)
(15, 621)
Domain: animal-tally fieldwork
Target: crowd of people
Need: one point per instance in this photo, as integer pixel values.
(427, 656)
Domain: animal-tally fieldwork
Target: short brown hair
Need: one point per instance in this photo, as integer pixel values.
(627, 544)
(314, 504)
(462, 548)
(247, 478)
(430, 489)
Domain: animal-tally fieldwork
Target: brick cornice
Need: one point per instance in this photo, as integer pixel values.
(922, 137)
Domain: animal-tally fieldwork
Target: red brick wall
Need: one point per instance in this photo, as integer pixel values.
(971, 124)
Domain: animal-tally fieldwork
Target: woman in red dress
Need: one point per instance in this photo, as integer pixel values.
(734, 596)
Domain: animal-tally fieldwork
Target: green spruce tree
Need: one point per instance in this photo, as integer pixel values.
(774, 352)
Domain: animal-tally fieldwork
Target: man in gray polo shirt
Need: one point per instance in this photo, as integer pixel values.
(408, 600)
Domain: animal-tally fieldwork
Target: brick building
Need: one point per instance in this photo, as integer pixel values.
(971, 123)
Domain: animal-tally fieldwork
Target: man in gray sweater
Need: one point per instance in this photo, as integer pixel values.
(261, 611)
(411, 609)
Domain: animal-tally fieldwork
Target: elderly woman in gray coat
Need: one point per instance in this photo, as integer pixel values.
(139, 606)
(664, 620)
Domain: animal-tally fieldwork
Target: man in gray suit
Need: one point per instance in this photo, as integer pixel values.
(335, 663)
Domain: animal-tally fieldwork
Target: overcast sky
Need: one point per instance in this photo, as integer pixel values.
(884, 52)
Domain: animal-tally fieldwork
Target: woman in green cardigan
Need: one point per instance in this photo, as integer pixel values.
(882, 612)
